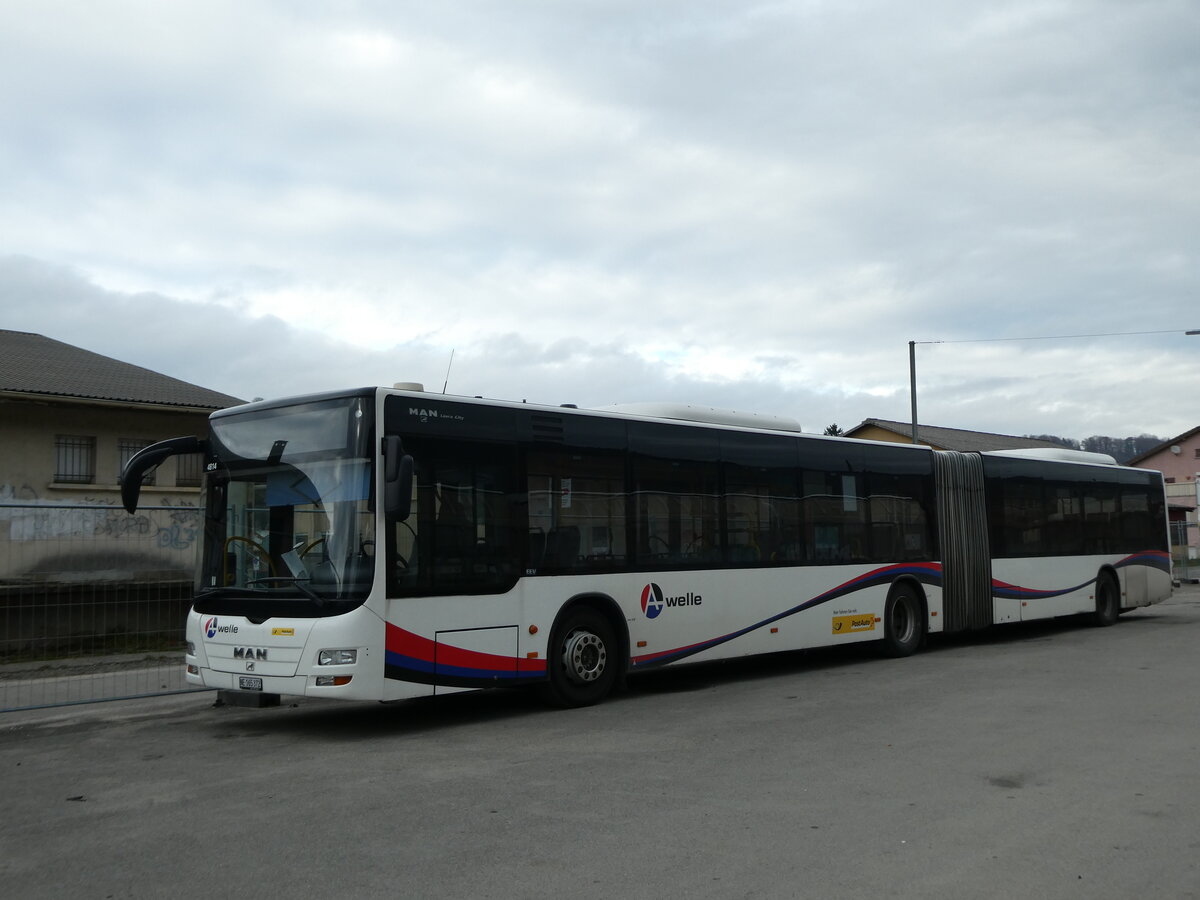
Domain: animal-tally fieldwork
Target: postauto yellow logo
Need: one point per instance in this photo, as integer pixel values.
(851, 624)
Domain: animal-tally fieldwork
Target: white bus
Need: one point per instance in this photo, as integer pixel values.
(382, 544)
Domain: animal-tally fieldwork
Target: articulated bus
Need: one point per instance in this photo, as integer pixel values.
(379, 544)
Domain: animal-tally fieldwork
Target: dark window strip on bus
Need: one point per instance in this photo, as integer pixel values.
(1038, 509)
(680, 497)
(656, 496)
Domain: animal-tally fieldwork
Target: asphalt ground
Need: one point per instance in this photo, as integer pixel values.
(1041, 760)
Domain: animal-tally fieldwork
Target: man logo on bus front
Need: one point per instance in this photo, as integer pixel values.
(652, 600)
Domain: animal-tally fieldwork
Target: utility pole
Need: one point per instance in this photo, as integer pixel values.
(912, 385)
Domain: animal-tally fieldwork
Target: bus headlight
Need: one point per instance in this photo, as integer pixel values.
(191, 648)
(337, 657)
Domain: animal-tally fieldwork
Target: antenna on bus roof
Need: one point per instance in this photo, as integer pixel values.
(447, 381)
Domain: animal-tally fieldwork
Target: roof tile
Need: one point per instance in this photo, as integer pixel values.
(32, 363)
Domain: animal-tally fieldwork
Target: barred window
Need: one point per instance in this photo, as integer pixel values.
(126, 448)
(74, 459)
(188, 469)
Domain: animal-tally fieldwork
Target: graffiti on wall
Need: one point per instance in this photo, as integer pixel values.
(181, 532)
(29, 518)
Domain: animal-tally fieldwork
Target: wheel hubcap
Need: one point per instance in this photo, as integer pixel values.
(902, 621)
(584, 657)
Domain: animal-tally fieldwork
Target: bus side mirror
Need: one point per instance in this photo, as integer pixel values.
(146, 459)
(397, 479)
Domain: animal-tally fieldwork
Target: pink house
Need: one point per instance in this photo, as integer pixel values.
(1179, 461)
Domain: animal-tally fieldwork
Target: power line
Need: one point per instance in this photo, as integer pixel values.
(1058, 337)
(912, 353)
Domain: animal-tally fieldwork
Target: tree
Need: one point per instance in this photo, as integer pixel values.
(1070, 443)
(1122, 449)
(833, 430)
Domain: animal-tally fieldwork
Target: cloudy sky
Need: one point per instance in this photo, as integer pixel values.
(754, 205)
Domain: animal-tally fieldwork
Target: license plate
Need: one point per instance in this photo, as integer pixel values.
(249, 683)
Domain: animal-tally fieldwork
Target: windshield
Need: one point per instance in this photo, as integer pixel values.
(290, 526)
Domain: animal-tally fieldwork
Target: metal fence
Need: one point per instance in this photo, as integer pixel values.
(93, 601)
(1186, 569)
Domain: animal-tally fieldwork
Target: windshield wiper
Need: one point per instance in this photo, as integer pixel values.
(209, 593)
(294, 580)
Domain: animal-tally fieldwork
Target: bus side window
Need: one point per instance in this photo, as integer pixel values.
(454, 531)
(1099, 518)
(461, 533)
(576, 511)
(762, 515)
(404, 559)
(677, 512)
(835, 517)
(761, 504)
(1139, 531)
(474, 522)
(900, 524)
(1064, 519)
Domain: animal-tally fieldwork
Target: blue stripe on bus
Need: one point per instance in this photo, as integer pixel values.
(1154, 559)
(407, 668)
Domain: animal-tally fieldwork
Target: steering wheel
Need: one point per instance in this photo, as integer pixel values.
(310, 546)
(255, 547)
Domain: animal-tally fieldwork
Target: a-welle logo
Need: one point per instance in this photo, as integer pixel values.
(654, 600)
(212, 627)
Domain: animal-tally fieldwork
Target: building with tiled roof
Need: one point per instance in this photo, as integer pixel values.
(39, 367)
(944, 438)
(69, 418)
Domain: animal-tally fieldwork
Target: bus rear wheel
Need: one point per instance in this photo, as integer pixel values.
(903, 622)
(582, 659)
(1108, 602)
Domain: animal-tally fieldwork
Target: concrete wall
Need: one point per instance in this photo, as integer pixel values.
(72, 533)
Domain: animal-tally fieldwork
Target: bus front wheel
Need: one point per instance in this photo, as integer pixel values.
(903, 622)
(582, 659)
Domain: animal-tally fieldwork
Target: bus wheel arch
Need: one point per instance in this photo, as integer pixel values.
(587, 652)
(905, 618)
(1108, 598)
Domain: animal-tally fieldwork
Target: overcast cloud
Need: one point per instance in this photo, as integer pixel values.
(753, 205)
